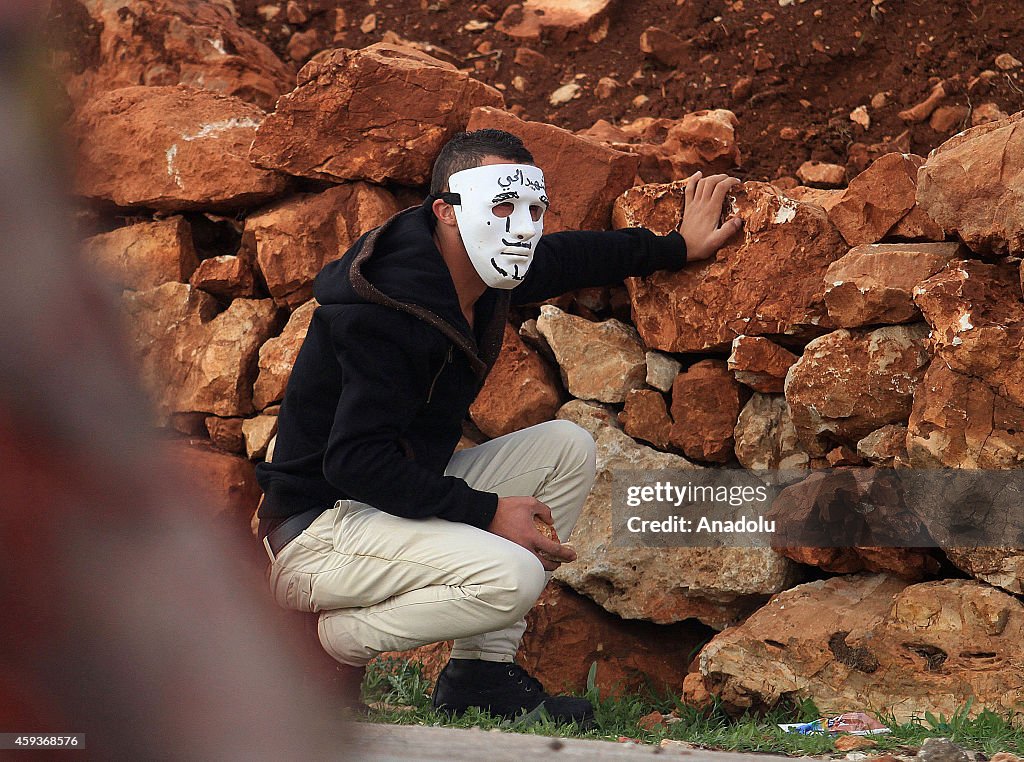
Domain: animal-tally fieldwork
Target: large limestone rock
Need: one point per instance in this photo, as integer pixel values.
(226, 483)
(877, 198)
(760, 363)
(583, 177)
(765, 437)
(849, 383)
(959, 421)
(875, 283)
(528, 20)
(292, 240)
(718, 586)
(194, 359)
(874, 643)
(598, 361)
(977, 316)
(706, 400)
(673, 149)
(277, 357)
(707, 304)
(227, 275)
(378, 114)
(973, 185)
(111, 45)
(170, 149)
(521, 390)
(144, 255)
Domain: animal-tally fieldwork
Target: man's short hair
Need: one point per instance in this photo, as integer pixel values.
(467, 149)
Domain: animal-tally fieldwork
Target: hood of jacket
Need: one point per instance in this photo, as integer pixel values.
(398, 265)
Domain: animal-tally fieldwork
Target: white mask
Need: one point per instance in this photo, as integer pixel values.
(500, 210)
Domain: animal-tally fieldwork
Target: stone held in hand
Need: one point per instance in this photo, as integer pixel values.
(549, 532)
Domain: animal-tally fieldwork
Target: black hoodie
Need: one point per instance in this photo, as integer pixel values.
(389, 367)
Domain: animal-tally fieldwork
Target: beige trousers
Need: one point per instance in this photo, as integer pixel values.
(385, 583)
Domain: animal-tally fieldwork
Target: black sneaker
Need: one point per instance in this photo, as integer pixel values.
(505, 690)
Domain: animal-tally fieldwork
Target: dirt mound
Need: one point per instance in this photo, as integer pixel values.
(793, 71)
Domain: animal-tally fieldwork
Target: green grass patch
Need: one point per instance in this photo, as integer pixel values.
(401, 694)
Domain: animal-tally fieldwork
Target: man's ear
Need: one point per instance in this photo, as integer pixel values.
(444, 212)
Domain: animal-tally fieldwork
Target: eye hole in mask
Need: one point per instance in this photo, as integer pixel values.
(506, 208)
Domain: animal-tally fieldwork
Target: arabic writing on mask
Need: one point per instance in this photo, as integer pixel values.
(521, 179)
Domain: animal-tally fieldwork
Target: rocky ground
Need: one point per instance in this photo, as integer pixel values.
(869, 316)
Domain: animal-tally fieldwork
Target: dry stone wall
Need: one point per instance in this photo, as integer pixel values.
(880, 324)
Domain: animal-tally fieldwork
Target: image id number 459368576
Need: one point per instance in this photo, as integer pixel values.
(11, 741)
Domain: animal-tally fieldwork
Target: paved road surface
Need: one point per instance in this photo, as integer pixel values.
(412, 742)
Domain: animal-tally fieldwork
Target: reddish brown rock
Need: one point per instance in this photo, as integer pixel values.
(363, 115)
(566, 633)
(973, 185)
(958, 421)
(765, 437)
(277, 356)
(673, 149)
(668, 48)
(144, 255)
(718, 586)
(169, 148)
(872, 641)
(293, 239)
(877, 198)
(169, 42)
(760, 363)
(530, 19)
(885, 447)
(947, 119)
(849, 383)
(226, 433)
(916, 225)
(816, 173)
(192, 358)
(875, 283)
(226, 482)
(977, 316)
(521, 390)
(826, 198)
(645, 416)
(707, 304)
(583, 177)
(226, 276)
(706, 401)
(598, 361)
(924, 109)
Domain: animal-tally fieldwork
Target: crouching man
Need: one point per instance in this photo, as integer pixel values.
(370, 517)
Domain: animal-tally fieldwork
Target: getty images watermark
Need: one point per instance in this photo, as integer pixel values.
(835, 508)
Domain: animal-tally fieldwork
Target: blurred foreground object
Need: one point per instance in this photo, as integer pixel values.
(127, 615)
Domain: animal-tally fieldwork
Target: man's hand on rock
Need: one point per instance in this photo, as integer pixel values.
(514, 521)
(702, 213)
